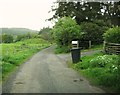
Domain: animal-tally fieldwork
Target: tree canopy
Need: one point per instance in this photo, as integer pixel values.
(45, 33)
(66, 30)
(88, 11)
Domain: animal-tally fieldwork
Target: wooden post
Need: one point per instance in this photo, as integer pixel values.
(89, 44)
(105, 49)
(104, 46)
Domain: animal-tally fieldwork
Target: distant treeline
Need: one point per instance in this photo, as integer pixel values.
(16, 31)
(16, 36)
(7, 38)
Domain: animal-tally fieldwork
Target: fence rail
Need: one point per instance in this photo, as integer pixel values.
(111, 48)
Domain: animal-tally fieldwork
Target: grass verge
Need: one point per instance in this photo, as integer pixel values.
(101, 70)
(94, 47)
(62, 49)
(14, 54)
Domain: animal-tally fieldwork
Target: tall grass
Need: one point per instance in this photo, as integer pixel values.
(14, 54)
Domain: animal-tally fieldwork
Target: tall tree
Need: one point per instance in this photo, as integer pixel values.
(112, 12)
(88, 11)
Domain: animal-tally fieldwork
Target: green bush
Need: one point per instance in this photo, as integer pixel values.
(66, 30)
(24, 37)
(112, 35)
(93, 31)
(45, 33)
(7, 38)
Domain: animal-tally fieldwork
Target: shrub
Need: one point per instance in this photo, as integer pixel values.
(112, 35)
(66, 30)
(7, 38)
(93, 31)
(23, 37)
(46, 33)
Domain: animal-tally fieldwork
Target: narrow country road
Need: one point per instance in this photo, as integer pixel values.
(47, 72)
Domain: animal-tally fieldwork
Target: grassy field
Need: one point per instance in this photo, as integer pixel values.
(102, 70)
(14, 54)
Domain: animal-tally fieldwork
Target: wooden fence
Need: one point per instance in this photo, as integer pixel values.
(111, 48)
(85, 44)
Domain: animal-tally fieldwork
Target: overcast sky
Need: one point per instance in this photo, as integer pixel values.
(25, 13)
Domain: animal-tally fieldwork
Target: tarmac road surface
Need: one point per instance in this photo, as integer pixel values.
(47, 72)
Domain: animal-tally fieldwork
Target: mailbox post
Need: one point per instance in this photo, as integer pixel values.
(75, 52)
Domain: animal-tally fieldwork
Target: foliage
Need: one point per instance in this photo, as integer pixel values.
(44, 30)
(14, 54)
(7, 38)
(23, 37)
(46, 33)
(87, 11)
(63, 49)
(93, 31)
(85, 62)
(102, 70)
(102, 61)
(26, 36)
(66, 30)
(112, 35)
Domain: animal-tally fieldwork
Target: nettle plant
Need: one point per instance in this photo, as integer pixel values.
(102, 61)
